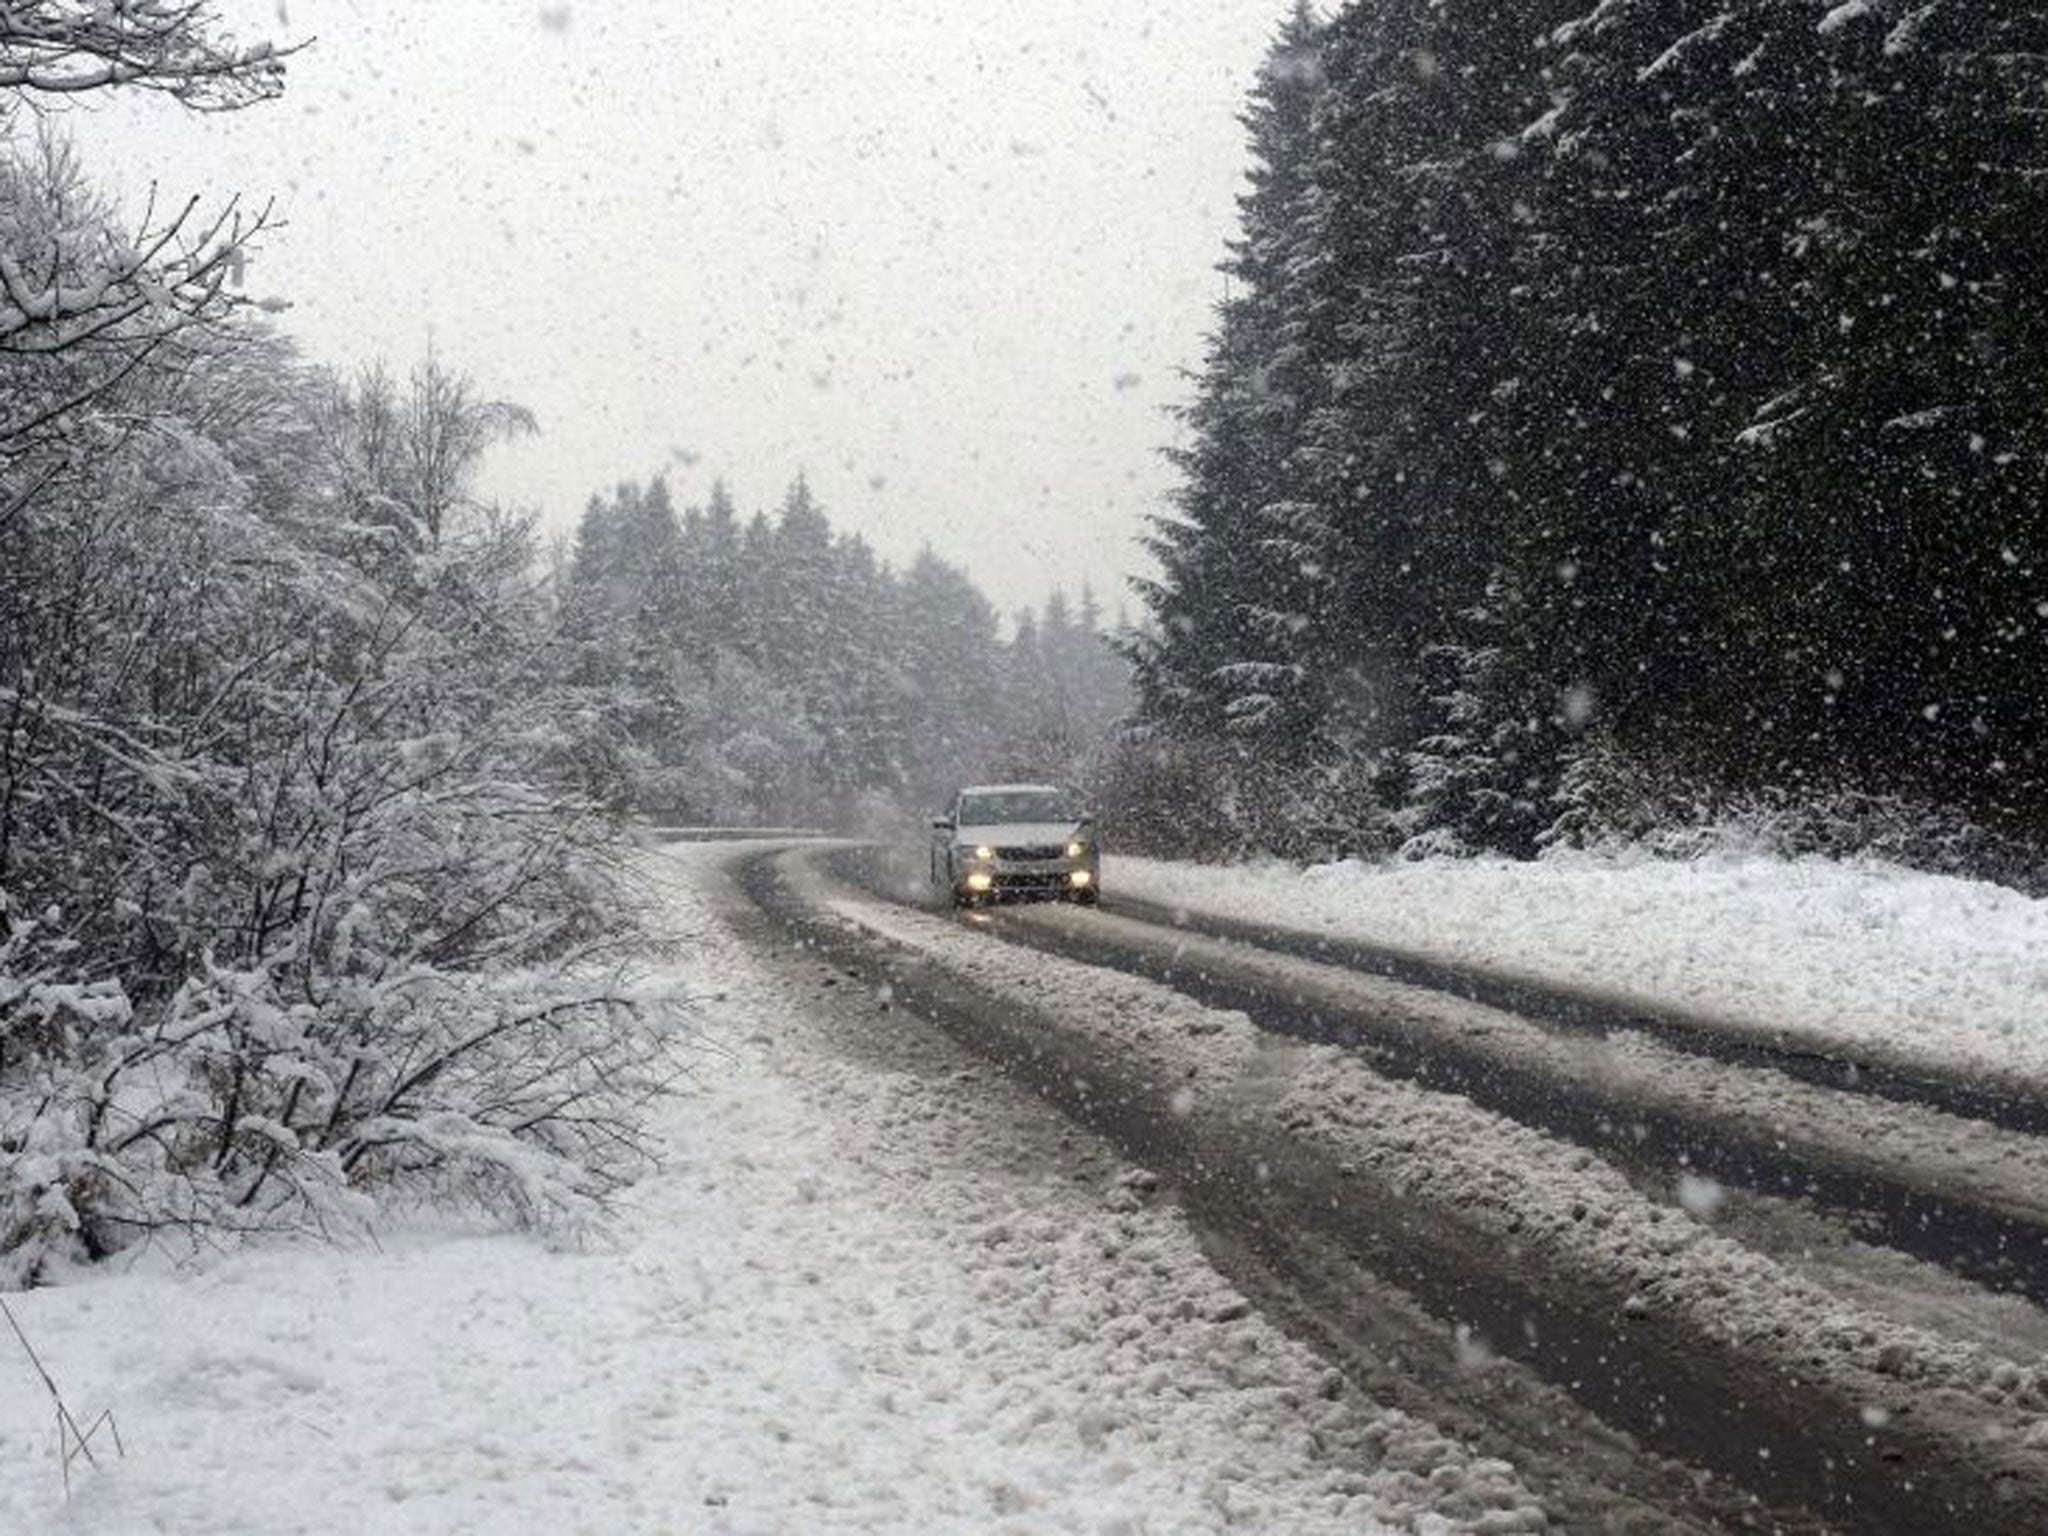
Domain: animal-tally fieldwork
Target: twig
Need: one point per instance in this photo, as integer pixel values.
(72, 1442)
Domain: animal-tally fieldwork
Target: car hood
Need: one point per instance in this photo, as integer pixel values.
(1019, 834)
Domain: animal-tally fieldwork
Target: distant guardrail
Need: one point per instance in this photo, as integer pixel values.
(677, 834)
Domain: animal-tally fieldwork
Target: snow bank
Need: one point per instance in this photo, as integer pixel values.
(1923, 971)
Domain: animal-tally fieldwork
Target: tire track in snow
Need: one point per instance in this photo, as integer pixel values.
(1599, 1013)
(1591, 1478)
(1967, 1195)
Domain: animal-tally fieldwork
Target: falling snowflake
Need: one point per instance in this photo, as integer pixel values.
(1701, 1196)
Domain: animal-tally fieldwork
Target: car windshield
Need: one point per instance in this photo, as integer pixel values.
(1009, 806)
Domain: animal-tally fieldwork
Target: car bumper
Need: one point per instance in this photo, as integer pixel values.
(999, 879)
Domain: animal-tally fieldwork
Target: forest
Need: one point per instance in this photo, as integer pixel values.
(768, 672)
(1622, 418)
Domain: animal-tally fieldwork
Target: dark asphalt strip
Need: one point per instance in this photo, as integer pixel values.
(1697, 1398)
(1590, 1013)
(1994, 1248)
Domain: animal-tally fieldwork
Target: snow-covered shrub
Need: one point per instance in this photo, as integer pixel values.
(1334, 806)
(1205, 800)
(1608, 798)
(1898, 829)
(1161, 796)
(395, 970)
(1611, 800)
(306, 901)
(238, 1106)
(41, 1018)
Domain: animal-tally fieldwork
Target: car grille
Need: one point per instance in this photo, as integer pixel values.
(1050, 851)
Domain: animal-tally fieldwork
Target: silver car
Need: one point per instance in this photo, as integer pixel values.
(1015, 840)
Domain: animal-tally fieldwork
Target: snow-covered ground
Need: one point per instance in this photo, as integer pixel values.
(1922, 971)
(838, 1307)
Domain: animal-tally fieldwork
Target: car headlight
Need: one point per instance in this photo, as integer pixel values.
(1077, 849)
(982, 852)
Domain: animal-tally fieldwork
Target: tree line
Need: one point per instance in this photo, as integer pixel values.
(769, 671)
(1617, 414)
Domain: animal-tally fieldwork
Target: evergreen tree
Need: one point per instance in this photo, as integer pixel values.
(1647, 384)
(948, 655)
(1236, 579)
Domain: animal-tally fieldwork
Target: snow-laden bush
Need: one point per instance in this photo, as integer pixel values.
(308, 900)
(1610, 800)
(1607, 798)
(1176, 798)
(236, 1107)
(363, 946)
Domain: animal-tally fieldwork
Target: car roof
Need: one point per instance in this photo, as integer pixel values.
(1005, 789)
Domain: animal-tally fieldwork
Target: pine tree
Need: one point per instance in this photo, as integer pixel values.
(1235, 576)
(950, 670)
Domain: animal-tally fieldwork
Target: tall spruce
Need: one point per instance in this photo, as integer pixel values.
(1232, 591)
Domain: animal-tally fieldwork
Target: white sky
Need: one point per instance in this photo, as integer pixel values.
(946, 256)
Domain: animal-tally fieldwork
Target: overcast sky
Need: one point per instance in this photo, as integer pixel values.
(945, 256)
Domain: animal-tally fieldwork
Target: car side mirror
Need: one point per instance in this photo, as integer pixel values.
(942, 823)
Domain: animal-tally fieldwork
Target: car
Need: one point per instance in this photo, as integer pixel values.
(1000, 840)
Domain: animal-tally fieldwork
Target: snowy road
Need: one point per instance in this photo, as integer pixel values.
(953, 1235)
(873, 1289)
(1743, 1268)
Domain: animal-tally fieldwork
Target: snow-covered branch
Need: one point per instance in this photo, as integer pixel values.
(177, 47)
(83, 306)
